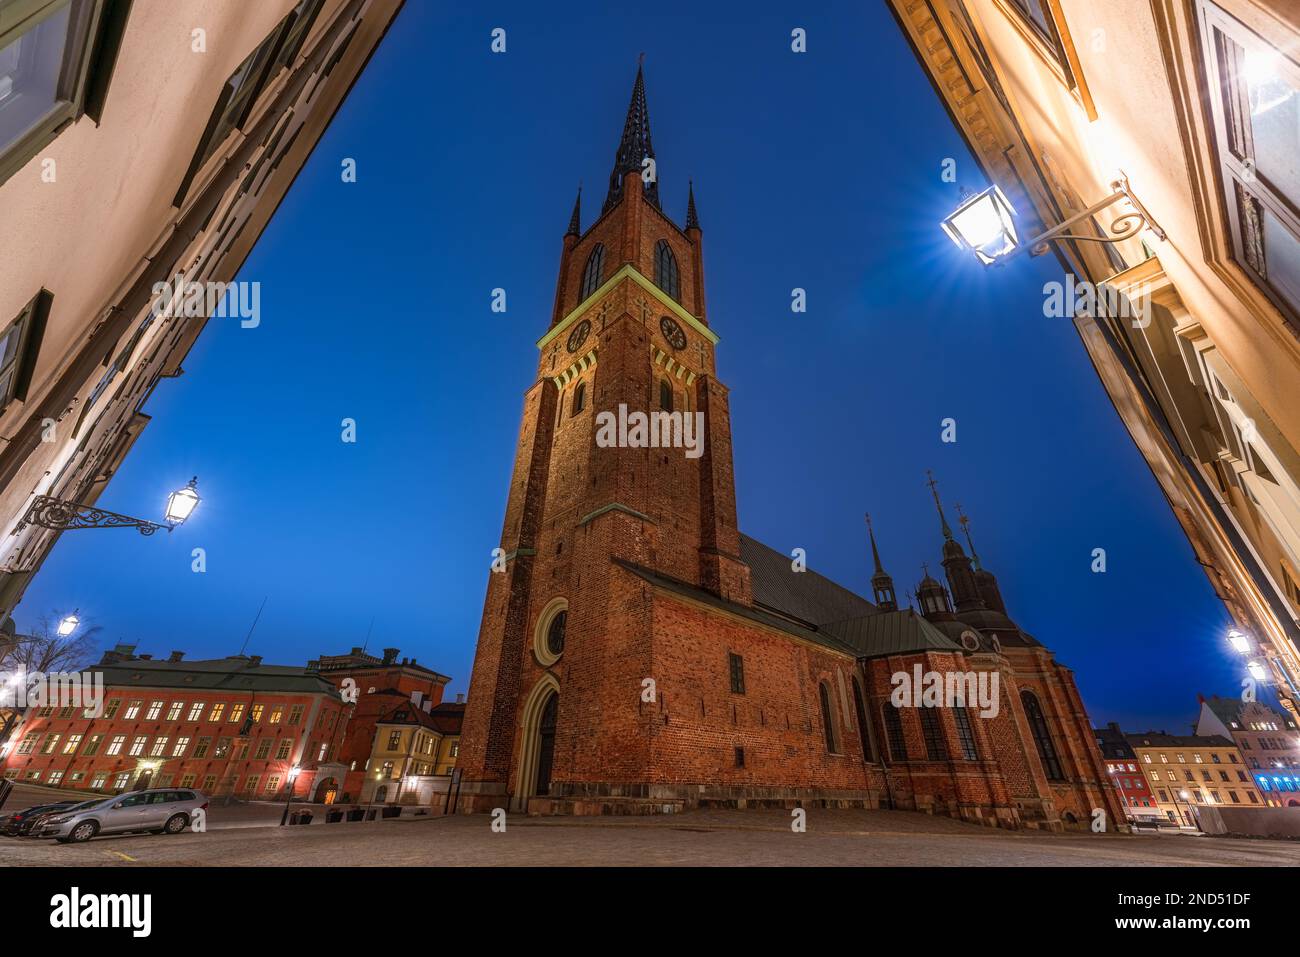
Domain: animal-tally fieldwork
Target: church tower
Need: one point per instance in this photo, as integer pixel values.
(882, 585)
(562, 628)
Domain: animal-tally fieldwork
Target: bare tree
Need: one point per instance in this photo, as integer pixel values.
(47, 651)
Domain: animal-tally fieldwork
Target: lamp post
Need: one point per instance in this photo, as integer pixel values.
(59, 515)
(984, 224)
(288, 793)
(69, 624)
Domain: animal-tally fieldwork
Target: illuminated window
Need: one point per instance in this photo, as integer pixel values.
(159, 747)
(277, 713)
(70, 746)
(196, 711)
(132, 710)
(218, 711)
(178, 750)
(137, 745)
(174, 712)
(237, 712)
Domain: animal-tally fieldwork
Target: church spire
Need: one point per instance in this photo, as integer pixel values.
(934, 489)
(964, 522)
(633, 147)
(575, 221)
(882, 585)
(692, 218)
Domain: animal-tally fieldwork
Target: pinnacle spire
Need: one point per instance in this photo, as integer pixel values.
(943, 520)
(633, 147)
(964, 521)
(875, 552)
(693, 219)
(575, 221)
(882, 586)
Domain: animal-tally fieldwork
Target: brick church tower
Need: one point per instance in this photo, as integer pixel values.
(638, 654)
(629, 328)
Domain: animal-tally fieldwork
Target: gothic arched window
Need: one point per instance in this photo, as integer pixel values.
(666, 277)
(935, 748)
(827, 722)
(860, 711)
(1042, 736)
(592, 273)
(579, 398)
(665, 395)
(894, 732)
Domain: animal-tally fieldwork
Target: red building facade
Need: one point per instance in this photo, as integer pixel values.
(638, 653)
(226, 726)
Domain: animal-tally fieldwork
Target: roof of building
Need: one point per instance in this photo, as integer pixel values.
(806, 595)
(860, 635)
(1158, 739)
(122, 668)
(445, 719)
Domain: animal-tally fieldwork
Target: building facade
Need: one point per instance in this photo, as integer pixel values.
(413, 743)
(155, 142)
(371, 687)
(1268, 742)
(1185, 772)
(228, 726)
(638, 654)
(1128, 779)
(1196, 335)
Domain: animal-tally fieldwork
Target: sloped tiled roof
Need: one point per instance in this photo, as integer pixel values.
(890, 633)
(1158, 739)
(805, 595)
(236, 673)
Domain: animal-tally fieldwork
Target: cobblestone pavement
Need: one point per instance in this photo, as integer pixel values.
(743, 838)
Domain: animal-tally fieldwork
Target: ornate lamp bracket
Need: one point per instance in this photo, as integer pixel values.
(1122, 227)
(61, 516)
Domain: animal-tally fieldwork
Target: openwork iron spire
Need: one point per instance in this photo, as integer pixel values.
(882, 586)
(633, 148)
(875, 552)
(934, 488)
(692, 218)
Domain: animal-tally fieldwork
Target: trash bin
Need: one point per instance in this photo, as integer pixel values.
(300, 817)
(333, 817)
(356, 814)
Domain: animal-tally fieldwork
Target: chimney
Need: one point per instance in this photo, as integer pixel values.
(415, 697)
(428, 705)
(313, 665)
(146, 657)
(390, 655)
(254, 660)
(176, 656)
(355, 652)
(460, 698)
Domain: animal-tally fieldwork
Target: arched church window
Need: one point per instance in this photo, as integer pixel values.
(593, 271)
(1042, 736)
(935, 748)
(894, 732)
(579, 398)
(823, 693)
(666, 277)
(860, 712)
(549, 632)
(665, 395)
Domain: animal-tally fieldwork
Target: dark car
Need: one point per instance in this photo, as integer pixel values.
(20, 822)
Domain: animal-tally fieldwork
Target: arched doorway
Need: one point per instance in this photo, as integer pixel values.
(327, 791)
(546, 744)
(537, 727)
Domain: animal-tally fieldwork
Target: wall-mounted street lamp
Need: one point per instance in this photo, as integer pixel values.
(1257, 670)
(68, 625)
(1240, 643)
(288, 793)
(49, 512)
(984, 224)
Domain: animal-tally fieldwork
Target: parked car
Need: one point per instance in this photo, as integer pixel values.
(31, 827)
(157, 810)
(18, 823)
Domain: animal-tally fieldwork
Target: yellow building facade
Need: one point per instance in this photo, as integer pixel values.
(1190, 771)
(1193, 108)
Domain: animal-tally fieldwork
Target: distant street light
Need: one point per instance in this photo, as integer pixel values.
(68, 625)
(54, 513)
(1257, 670)
(984, 224)
(1240, 643)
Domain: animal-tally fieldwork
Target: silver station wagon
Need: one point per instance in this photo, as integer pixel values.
(157, 810)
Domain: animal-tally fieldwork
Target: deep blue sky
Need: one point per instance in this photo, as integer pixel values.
(819, 170)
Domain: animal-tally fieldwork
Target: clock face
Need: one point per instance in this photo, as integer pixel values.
(672, 332)
(579, 335)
